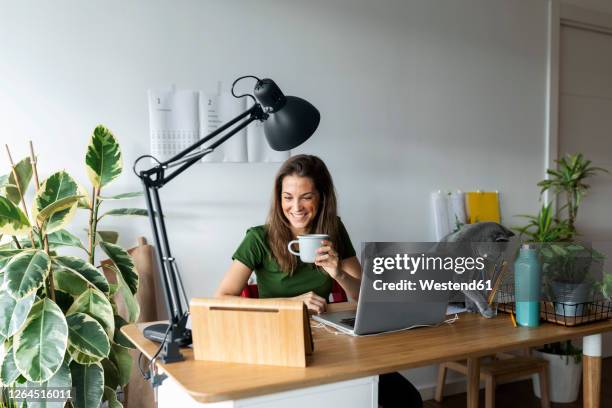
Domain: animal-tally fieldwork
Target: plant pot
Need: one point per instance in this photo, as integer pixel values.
(564, 376)
(571, 299)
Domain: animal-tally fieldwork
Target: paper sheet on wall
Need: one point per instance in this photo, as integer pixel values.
(215, 110)
(179, 118)
(173, 121)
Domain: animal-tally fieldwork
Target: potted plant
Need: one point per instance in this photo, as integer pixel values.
(566, 266)
(59, 325)
(568, 270)
(568, 180)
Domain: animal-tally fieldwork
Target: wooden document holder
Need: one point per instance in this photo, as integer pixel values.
(253, 331)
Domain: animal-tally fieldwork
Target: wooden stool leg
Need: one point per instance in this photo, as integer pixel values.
(473, 381)
(544, 398)
(441, 380)
(591, 381)
(490, 392)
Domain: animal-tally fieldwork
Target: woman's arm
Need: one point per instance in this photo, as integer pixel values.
(350, 277)
(235, 279)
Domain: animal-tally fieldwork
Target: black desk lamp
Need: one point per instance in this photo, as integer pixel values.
(288, 122)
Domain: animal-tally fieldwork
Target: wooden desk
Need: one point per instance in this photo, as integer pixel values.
(340, 357)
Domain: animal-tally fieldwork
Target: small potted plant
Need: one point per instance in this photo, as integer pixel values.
(568, 268)
(567, 265)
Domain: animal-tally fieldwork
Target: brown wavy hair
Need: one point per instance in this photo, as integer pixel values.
(278, 227)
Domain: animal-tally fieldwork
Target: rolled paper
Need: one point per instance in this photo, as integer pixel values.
(457, 216)
(440, 205)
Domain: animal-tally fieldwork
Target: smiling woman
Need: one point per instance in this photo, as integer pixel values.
(303, 202)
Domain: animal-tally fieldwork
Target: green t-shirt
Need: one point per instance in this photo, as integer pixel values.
(255, 252)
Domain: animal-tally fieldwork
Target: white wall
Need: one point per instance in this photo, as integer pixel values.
(594, 5)
(414, 95)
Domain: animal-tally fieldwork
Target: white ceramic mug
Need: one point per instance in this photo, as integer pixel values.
(308, 246)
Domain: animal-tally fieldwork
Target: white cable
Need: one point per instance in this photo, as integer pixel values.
(331, 329)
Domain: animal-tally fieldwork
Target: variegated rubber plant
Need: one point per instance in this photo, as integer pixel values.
(59, 322)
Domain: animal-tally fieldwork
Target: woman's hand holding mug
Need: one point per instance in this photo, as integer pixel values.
(327, 258)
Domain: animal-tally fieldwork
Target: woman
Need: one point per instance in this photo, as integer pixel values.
(304, 202)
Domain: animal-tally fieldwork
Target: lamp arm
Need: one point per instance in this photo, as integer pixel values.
(153, 180)
(256, 112)
(196, 157)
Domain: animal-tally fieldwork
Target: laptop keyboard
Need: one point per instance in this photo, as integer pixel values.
(349, 321)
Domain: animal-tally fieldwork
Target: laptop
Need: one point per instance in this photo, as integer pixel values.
(379, 312)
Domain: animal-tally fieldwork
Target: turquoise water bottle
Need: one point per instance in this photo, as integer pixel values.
(527, 284)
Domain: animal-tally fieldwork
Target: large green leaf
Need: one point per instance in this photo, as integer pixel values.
(41, 344)
(24, 173)
(8, 369)
(120, 338)
(63, 238)
(12, 220)
(84, 269)
(124, 196)
(87, 336)
(88, 381)
(94, 303)
(5, 257)
(26, 272)
(56, 189)
(123, 262)
(4, 184)
(4, 181)
(111, 397)
(13, 313)
(133, 308)
(69, 282)
(82, 358)
(122, 359)
(85, 201)
(111, 373)
(61, 379)
(59, 207)
(108, 236)
(125, 211)
(103, 157)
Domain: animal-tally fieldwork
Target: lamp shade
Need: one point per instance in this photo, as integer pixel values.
(291, 120)
(291, 125)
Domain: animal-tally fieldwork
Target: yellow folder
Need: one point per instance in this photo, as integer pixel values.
(482, 206)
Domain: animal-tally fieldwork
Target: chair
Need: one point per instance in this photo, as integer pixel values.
(337, 294)
(500, 368)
